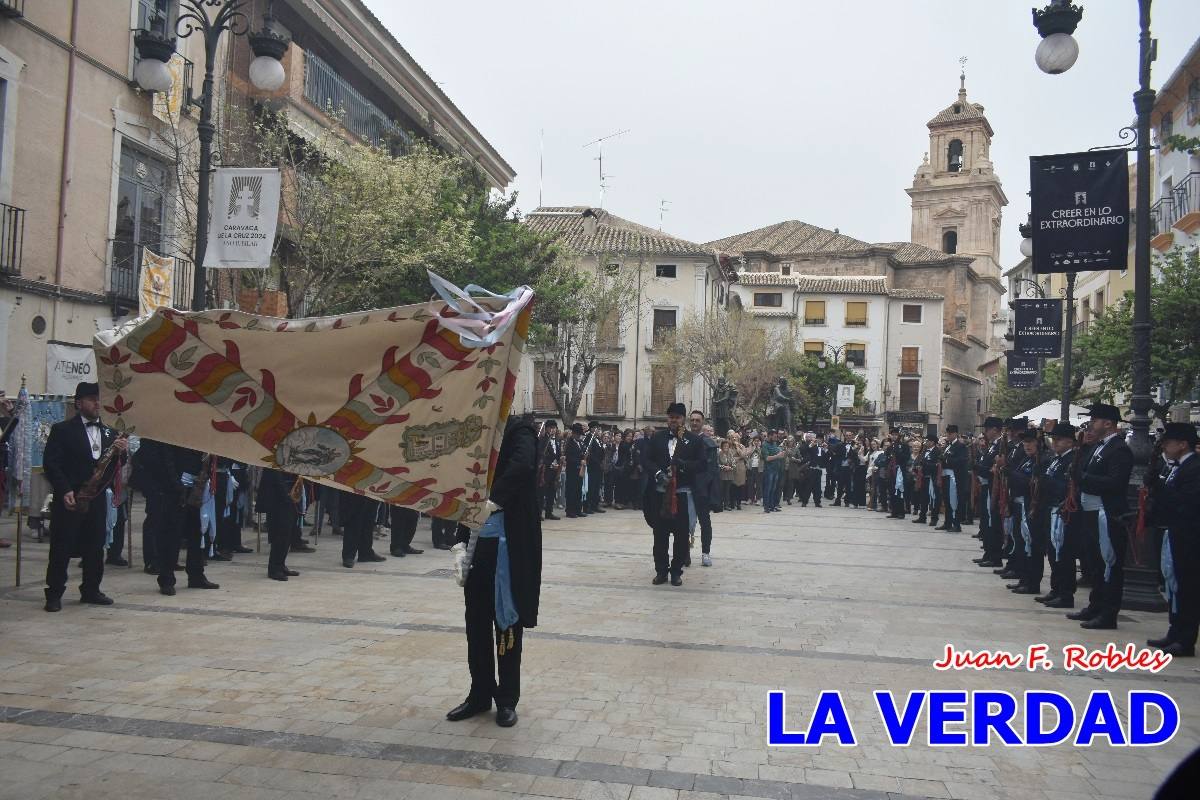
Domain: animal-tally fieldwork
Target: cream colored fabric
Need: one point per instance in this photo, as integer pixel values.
(388, 403)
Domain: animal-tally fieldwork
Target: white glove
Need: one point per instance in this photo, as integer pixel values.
(462, 563)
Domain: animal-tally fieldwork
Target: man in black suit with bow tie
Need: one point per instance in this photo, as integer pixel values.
(1103, 502)
(72, 451)
(1176, 508)
(675, 452)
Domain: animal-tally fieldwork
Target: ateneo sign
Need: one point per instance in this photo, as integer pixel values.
(1079, 205)
(1037, 330)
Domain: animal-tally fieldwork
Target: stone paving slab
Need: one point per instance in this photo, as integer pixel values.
(335, 684)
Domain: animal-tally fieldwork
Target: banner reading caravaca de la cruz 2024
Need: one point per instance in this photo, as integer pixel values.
(245, 212)
(406, 405)
(1079, 204)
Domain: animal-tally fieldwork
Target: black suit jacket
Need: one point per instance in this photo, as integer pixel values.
(689, 457)
(1177, 502)
(574, 448)
(956, 459)
(1105, 472)
(67, 459)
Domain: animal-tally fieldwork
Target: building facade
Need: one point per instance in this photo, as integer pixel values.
(93, 170)
(891, 338)
(1175, 212)
(677, 279)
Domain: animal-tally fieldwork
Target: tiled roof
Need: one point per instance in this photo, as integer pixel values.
(790, 237)
(961, 110)
(834, 284)
(774, 312)
(613, 234)
(909, 253)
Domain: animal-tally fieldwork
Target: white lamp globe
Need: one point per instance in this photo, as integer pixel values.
(1027, 247)
(1057, 53)
(153, 75)
(267, 73)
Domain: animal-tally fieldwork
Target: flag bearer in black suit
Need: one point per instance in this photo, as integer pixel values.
(549, 464)
(925, 496)
(955, 482)
(675, 459)
(504, 579)
(72, 453)
(989, 520)
(1176, 507)
(1049, 523)
(1103, 484)
(575, 467)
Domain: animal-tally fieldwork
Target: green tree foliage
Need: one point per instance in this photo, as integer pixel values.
(815, 388)
(1106, 350)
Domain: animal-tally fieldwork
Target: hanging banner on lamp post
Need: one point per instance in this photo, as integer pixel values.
(245, 211)
(1079, 205)
(1038, 328)
(1024, 372)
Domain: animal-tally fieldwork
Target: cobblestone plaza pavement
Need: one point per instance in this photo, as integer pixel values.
(335, 684)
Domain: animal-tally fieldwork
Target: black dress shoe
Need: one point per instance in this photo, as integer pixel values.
(1099, 624)
(449, 546)
(1046, 598)
(593, 511)
(372, 557)
(1026, 590)
(347, 562)
(989, 564)
(97, 599)
(468, 709)
(955, 529)
(412, 551)
(1013, 586)
(659, 580)
(398, 553)
(1085, 613)
(552, 516)
(277, 576)
(241, 549)
(202, 583)
(506, 717)
(1178, 650)
(1061, 602)
(221, 557)
(150, 569)
(302, 548)
(572, 516)
(290, 572)
(677, 580)
(169, 591)
(980, 560)
(1163, 642)
(53, 604)
(116, 561)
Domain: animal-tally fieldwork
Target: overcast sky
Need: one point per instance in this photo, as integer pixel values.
(745, 114)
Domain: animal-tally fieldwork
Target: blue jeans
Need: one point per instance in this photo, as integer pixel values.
(770, 488)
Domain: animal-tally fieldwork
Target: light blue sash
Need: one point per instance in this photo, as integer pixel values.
(1058, 533)
(1168, 570)
(899, 487)
(506, 609)
(1024, 528)
(952, 490)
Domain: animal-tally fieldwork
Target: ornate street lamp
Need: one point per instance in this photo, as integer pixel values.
(1141, 584)
(209, 18)
(1056, 22)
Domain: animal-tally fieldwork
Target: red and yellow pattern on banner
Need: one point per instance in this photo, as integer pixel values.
(387, 403)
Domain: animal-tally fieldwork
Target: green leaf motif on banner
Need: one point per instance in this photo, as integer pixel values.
(252, 324)
(427, 503)
(365, 320)
(310, 327)
(421, 315)
(430, 359)
(119, 380)
(488, 364)
(478, 453)
(183, 360)
(483, 401)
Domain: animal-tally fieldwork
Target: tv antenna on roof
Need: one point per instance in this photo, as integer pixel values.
(600, 158)
(662, 209)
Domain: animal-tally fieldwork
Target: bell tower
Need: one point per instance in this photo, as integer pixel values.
(957, 199)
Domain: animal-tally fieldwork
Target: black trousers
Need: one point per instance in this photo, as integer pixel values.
(574, 500)
(1039, 533)
(182, 526)
(281, 520)
(843, 484)
(920, 500)
(814, 488)
(595, 484)
(831, 483)
(1015, 546)
(548, 489)
(1105, 597)
(443, 532)
(704, 517)
(404, 527)
(676, 526)
(118, 541)
(1185, 616)
(989, 526)
(1062, 563)
(76, 535)
(357, 515)
(483, 658)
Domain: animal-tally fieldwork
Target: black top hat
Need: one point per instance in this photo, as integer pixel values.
(1029, 435)
(951, 429)
(577, 427)
(677, 408)
(931, 437)
(85, 389)
(1063, 430)
(1104, 411)
(551, 423)
(1180, 432)
(593, 424)
(1017, 423)
(894, 430)
(993, 422)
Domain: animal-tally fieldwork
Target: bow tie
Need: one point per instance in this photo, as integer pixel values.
(92, 424)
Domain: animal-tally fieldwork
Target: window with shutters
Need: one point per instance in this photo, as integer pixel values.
(542, 399)
(768, 299)
(1193, 101)
(912, 314)
(856, 354)
(910, 361)
(815, 349)
(608, 331)
(604, 398)
(910, 394)
(814, 312)
(856, 314)
(662, 388)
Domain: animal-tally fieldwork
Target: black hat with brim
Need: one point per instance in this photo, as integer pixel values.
(1104, 411)
(993, 422)
(577, 427)
(85, 389)
(1063, 430)
(1180, 432)
(951, 429)
(1029, 435)
(677, 408)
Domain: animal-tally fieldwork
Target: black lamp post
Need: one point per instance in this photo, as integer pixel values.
(1064, 407)
(1056, 21)
(209, 18)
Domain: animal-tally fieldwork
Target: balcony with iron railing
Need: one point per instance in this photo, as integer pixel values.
(911, 367)
(334, 95)
(1185, 198)
(12, 239)
(1161, 216)
(604, 406)
(124, 279)
(1079, 329)
(12, 8)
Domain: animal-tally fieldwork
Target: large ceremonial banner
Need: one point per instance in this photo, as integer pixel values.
(405, 404)
(1079, 209)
